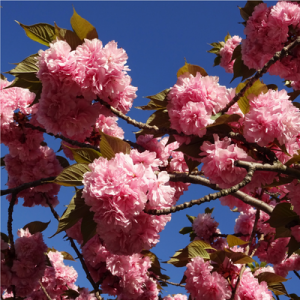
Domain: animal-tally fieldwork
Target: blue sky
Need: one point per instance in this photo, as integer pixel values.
(157, 36)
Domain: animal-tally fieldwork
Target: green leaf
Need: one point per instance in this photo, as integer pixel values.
(294, 159)
(180, 258)
(62, 161)
(237, 52)
(84, 155)
(218, 256)
(235, 241)
(36, 226)
(158, 101)
(269, 277)
(88, 227)
(27, 65)
(282, 232)
(185, 230)
(209, 210)
(67, 256)
(110, 145)
(293, 246)
(159, 118)
(241, 70)
(256, 89)
(75, 211)
(192, 164)
(225, 119)
(227, 37)
(4, 237)
(191, 218)
(67, 35)
(83, 28)
(278, 288)
(238, 257)
(41, 33)
(282, 215)
(247, 10)
(191, 69)
(217, 60)
(72, 175)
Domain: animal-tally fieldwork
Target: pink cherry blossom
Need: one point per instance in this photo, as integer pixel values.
(227, 51)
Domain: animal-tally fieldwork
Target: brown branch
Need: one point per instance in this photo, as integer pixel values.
(9, 222)
(27, 185)
(183, 177)
(173, 283)
(207, 198)
(60, 136)
(297, 274)
(141, 125)
(45, 292)
(277, 56)
(277, 167)
(79, 255)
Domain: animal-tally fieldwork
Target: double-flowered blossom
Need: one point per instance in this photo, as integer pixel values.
(28, 265)
(119, 201)
(267, 31)
(272, 115)
(204, 285)
(227, 51)
(205, 226)
(193, 100)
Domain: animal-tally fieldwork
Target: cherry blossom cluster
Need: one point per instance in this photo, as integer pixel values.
(73, 79)
(267, 31)
(27, 160)
(119, 201)
(27, 267)
(227, 51)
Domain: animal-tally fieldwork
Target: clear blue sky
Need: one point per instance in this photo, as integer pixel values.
(157, 36)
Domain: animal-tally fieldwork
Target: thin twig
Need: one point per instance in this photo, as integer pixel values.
(277, 56)
(9, 222)
(206, 198)
(45, 292)
(27, 185)
(60, 136)
(235, 290)
(296, 273)
(173, 283)
(186, 178)
(55, 214)
(79, 255)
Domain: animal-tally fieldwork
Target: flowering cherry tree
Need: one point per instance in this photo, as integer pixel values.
(241, 142)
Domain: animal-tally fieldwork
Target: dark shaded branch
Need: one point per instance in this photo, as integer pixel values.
(79, 255)
(297, 274)
(184, 177)
(277, 56)
(207, 198)
(27, 185)
(9, 222)
(45, 292)
(59, 136)
(277, 167)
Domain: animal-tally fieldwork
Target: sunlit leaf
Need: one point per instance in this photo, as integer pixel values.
(84, 155)
(158, 101)
(209, 210)
(83, 28)
(185, 230)
(72, 175)
(191, 69)
(238, 257)
(235, 241)
(41, 33)
(67, 35)
(191, 218)
(270, 277)
(67, 255)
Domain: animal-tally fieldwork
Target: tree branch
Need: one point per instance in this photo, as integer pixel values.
(184, 177)
(173, 283)
(277, 167)
(277, 56)
(79, 255)
(9, 222)
(207, 198)
(27, 185)
(60, 136)
(297, 274)
(45, 292)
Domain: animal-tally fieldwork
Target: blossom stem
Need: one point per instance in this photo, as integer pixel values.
(172, 283)
(277, 56)
(207, 198)
(296, 273)
(45, 292)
